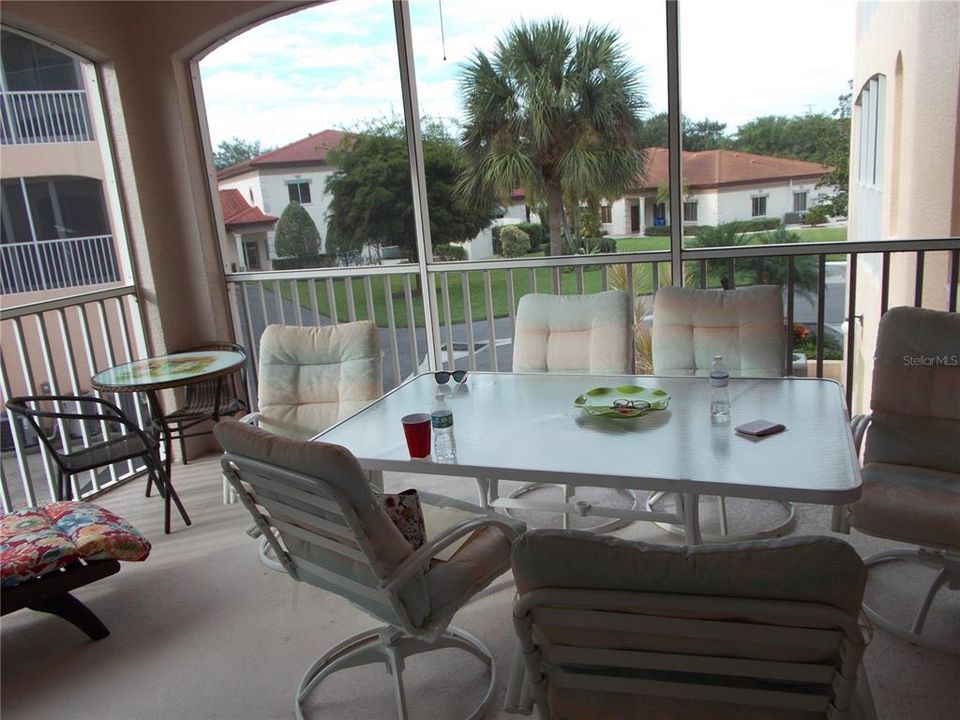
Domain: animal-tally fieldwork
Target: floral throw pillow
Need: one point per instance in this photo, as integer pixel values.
(404, 511)
(31, 545)
(98, 533)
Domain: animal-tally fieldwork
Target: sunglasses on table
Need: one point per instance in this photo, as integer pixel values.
(443, 376)
(641, 405)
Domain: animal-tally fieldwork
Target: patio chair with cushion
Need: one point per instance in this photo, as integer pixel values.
(611, 629)
(312, 377)
(911, 458)
(313, 504)
(746, 327)
(584, 334)
(120, 439)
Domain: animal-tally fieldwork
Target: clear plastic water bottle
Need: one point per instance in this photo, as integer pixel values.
(441, 420)
(719, 393)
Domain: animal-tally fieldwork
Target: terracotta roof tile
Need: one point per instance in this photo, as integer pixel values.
(237, 212)
(312, 150)
(719, 168)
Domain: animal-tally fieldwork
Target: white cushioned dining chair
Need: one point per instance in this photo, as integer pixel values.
(611, 629)
(911, 457)
(312, 377)
(313, 504)
(746, 327)
(586, 334)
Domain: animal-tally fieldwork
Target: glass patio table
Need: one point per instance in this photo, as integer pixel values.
(526, 427)
(163, 372)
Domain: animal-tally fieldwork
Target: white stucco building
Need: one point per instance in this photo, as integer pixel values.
(723, 186)
(294, 173)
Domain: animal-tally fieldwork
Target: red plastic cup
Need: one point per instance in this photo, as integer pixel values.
(417, 429)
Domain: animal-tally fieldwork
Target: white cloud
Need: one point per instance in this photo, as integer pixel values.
(334, 64)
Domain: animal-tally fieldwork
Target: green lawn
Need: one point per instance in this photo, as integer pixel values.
(498, 285)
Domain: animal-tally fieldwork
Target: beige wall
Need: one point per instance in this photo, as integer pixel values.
(143, 50)
(916, 45)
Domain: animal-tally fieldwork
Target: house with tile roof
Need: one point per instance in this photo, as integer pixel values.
(723, 186)
(249, 234)
(296, 172)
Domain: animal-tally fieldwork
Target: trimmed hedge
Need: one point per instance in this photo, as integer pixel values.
(538, 233)
(447, 251)
(514, 241)
(301, 263)
(664, 230)
(739, 226)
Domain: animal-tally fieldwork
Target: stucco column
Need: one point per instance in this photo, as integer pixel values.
(241, 257)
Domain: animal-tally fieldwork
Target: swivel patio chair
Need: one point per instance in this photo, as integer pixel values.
(612, 629)
(911, 458)
(313, 504)
(121, 439)
(582, 334)
(746, 327)
(312, 377)
(208, 401)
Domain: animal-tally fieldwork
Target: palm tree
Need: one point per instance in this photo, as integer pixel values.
(553, 112)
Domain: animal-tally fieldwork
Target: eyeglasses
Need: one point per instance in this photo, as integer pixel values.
(641, 405)
(443, 376)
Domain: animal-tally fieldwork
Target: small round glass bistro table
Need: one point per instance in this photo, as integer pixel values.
(164, 372)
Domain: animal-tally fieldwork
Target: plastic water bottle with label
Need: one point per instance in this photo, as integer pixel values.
(441, 420)
(719, 392)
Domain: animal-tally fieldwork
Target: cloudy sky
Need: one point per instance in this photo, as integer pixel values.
(334, 65)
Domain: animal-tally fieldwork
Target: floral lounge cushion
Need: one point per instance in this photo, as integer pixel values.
(31, 545)
(98, 533)
(37, 541)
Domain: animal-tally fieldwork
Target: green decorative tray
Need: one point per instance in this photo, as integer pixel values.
(625, 401)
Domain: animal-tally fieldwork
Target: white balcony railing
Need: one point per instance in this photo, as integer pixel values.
(56, 264)
(44, 116)
(56, 346)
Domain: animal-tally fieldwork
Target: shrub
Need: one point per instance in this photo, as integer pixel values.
(664, 230)
(599, 245)
(538, 235)
(449, 252)
(817, 215)
(514, 241)
(299, 263)
(495, 232)
(297, 234)
(743, 226)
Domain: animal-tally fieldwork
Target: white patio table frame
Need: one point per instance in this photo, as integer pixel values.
(525, 427)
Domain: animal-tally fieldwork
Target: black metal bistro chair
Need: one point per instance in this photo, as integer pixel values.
(208, 400)
(113, 438)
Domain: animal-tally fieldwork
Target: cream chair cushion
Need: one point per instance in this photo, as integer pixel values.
(574, 334)
(911, 472)
(745, 325)
(313, 377)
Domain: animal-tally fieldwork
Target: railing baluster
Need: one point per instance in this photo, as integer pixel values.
(297, 305)
(491, 320)
(821, 309)
(18, 446)
(954, 279)
(30, 386)
(532, 285)
(368, 291)
(851, 328)
(278, 303)
(351, 303)
(918, 282)
(107, 335)
(580, 280)
(703, 274)
(511, 306)
(448, 318)
(790, 289)
(468, 319)
(557, 281)
(263, 301)
(604, 279)
(314, 303)
(412, 322)
(884, 283)
(332, 301)
(392, 324)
